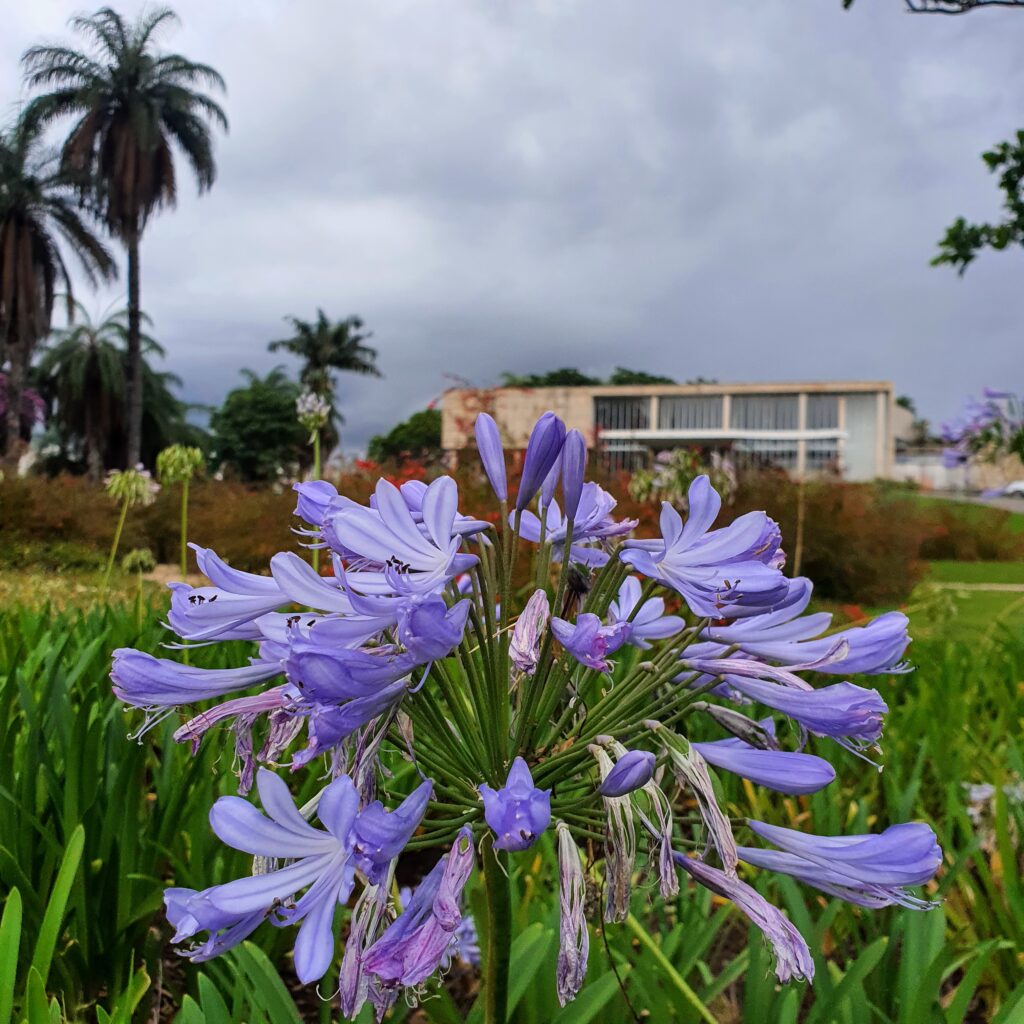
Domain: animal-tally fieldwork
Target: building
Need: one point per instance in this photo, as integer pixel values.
(846, 427)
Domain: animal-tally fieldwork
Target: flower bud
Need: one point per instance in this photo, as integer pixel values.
(542, 450)
(492, 455)
(574, 465)
(633, 770)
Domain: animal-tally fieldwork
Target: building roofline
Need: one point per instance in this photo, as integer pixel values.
(642, 390)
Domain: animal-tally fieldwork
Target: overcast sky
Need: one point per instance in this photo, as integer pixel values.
(740, 190)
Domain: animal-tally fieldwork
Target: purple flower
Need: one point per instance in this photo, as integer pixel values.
(225, 610)
(594, 523)
(388, 538)
(649, 622)
(381, 835)
(524, 645)
(844, 711)
(429, 629)
(147, 682)
(728, 572)
(775, 769)
(492, 455)
(588, 641)
(414, 945)
(327, 674)
(574, 938)
(632, 771)
(783, 635)
(550, 485)
(321, 860)
(354, 983)
(869, 870)
(518, 812)
(190, 912)
(329, 724)
(792, 957)
(542, 449)
(574, 465)
(315, 501)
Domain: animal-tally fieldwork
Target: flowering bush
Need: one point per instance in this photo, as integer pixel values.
(987, 430)
(413, 651)
(673, 472)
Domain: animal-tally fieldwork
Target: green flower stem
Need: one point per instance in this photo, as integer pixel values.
(184, 528)
(115, 543)
(316, 476)
(469, 731)
(499, 935)
(535, 693)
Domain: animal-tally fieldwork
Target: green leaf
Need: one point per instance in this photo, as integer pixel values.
(50, 929)
(10, 942)
(592, 1000)
(270, 992)
(37, 1010)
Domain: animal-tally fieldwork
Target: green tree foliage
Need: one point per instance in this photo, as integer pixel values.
(325, 346)
(39, 224)
(620, 375)
(83, 377)
(566, 377)
(131, 106)
(256, 432)
(949, 6)
(419, 436)
(963, 241)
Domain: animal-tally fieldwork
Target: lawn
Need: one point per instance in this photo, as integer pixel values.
(939, 609)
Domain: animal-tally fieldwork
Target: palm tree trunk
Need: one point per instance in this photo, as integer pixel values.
(134, 352)
(93, 452)
(17, 352)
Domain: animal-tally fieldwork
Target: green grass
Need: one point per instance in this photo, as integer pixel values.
(976, 572)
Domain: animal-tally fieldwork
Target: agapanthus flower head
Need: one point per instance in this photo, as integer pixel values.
(418, 670)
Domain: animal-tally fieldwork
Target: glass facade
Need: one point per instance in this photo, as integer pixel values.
(765, 412)
(822, 412)
(690, 412)
(622, 413)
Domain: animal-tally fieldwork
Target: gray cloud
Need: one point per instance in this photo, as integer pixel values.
(744, 191)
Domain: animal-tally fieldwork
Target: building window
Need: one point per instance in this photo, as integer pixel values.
(618, 457)
(765, 454)
(822, 457)
(822, 412)
(690, 412)
(622, 413)
(765, 412)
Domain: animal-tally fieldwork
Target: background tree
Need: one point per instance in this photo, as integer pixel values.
(419, 437)
(324, 347)
(963, 241)
(620, 375)
(39, 218)
(256, 432)
(83, 376)
(950, 6)
(132, 106)
(565, 377)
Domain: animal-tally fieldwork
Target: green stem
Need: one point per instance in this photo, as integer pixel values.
(316, 476)
(499, 935)
(184, 530)
(114, 545)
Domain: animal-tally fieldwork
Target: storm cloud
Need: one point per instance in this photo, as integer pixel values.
(741, 190)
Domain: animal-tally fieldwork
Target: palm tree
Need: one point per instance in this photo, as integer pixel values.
(83, 375)
(39, 218)
(324, 347)
(131, 106)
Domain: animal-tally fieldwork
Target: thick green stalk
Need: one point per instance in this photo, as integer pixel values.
(115, 543)
(499, 935)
